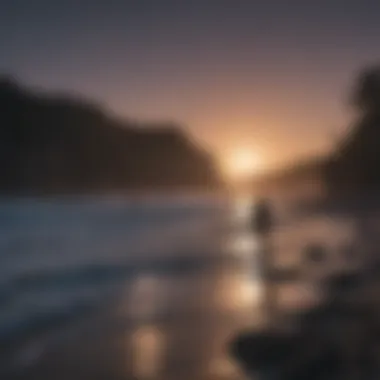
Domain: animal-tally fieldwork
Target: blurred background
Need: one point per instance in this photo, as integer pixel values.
(137, 141)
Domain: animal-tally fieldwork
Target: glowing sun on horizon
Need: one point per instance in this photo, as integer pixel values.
(241, 164)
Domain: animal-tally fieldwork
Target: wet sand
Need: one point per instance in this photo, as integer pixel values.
(176, 326)
(162, 328)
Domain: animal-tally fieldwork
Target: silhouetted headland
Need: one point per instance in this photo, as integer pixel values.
(65, 144)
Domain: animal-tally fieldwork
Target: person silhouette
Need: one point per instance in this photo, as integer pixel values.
(262, 218)
(261, 226)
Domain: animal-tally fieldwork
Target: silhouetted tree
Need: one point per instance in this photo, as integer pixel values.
(366, 94)
(356, 160)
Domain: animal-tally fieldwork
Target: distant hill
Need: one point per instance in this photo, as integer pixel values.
(304, 176)
(62, 144)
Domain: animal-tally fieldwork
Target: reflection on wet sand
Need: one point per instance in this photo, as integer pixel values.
(237, 292)
(147, 350)
(202, 312)
(174, 325)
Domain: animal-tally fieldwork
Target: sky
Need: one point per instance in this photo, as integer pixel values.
(271, 77)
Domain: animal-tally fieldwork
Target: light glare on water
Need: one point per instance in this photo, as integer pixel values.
(147, 348)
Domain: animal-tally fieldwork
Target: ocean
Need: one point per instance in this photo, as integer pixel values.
(60, 258)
